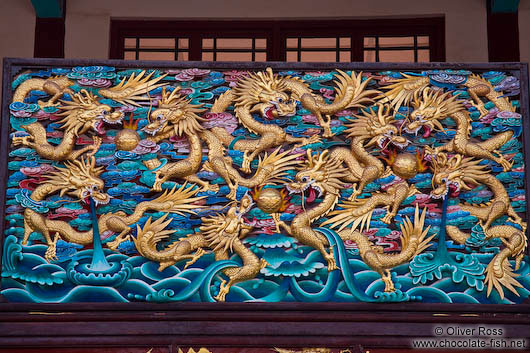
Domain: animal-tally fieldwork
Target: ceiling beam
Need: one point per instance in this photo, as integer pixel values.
(48, 8)
(503, 6)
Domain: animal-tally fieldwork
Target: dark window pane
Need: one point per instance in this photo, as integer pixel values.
(316, 56)
(385, 42)
(130, 43)
(369, 42)
(156, 56)
(234, 56)
(183, 43)
(261, 57)
(292, 42)
(396, 56)
(369, 56)
(292, 56)
(345, 42)
(423, 55)
(157, 43)
(319, 43)
(207, 56)
(182, 56)
(261, 43)
(234, 43)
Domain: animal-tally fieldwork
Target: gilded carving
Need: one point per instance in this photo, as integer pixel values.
(273, 186)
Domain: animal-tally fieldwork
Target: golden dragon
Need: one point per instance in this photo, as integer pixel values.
(358, 213)
(462, 173)
(268, 95)
(271, 169)
(222, 233)
(465, 173)
(435, 106)
(323, 174)
(80, 179)
(176, 116)
(373, 127)
(402, 91)
(81, 114)
(54, 86)
(499, 271)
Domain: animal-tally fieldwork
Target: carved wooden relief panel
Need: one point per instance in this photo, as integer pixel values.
(144, 184)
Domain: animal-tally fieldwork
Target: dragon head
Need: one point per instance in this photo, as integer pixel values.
(455, 174)
(175, 113)
(320, 174)
(376, 125)
(432, 107)
(84, 112)
(266, 94)
(80, 179)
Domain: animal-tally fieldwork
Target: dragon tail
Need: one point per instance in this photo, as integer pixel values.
(350, 216)
(361, 96)
(180, 200)
(414, 240)
(130, 90)
(499, 274)
(25, 87)
(402, 91)
(456, 234)
(177, 200)
(151, 233)
(274, 166)
(497, 97)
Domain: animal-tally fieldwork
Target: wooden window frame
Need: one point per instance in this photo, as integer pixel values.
(276, 33)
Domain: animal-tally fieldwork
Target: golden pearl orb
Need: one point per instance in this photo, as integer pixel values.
(405, 165)
(269, 200)
(126, 140)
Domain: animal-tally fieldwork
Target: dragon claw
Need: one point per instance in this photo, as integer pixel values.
(196, 256)
(22, 140)
(276, 218)
(326, 125)
(245, 167)
(332, 264)
(51, 252)
(223, 291)
(356, 192)
(113, 245)
(232, 195)
(96, 145)
(387, 218)
(263, 263)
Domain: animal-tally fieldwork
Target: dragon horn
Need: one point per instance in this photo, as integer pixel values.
(310, 157)
(321, 159)
(455, 161)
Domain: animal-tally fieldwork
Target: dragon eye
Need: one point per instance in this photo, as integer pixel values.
(280, 100)
(305, 179)
(444, 180)
(391, 132)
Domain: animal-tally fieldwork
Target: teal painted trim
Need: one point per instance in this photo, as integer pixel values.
(48, 8)
(504, 6)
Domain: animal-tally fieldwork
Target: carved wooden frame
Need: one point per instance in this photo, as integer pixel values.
(354, 325)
